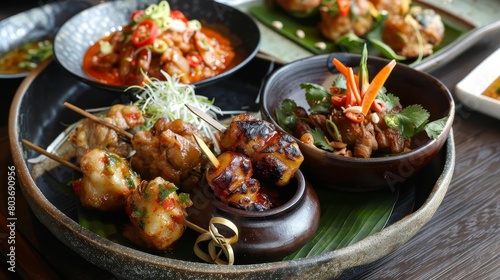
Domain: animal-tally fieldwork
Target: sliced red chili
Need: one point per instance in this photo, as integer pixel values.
(178, 15)
(339, 100)
(355, 117)
(145, 33)
(378, 106)
(344, 7)
(77, 185)
(134, 16)
(194, 59)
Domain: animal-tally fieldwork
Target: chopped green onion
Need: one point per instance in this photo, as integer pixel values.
(105, 47)
(194, 24)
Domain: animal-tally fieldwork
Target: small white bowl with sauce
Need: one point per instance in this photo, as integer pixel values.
(485, 77)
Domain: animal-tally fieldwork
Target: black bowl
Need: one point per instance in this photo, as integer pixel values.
(86, 28)
(358, 174)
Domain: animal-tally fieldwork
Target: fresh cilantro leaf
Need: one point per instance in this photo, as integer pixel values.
(318, 97)
(340, 82)
(164, 191)
(285, 116)
(433, 129)
(409, 121)
(319, 139)
(185, 199)
(389, 99)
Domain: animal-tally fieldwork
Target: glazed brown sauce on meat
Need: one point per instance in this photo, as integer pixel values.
(112, 78)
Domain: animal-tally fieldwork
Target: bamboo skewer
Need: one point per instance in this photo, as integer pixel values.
(212, 235)
(204, 116)
(52, 156)
(76, 168)
(98, 120)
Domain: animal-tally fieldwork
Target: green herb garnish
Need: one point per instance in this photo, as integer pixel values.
(319, 139)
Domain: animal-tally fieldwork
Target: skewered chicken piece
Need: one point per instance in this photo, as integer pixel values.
(168, 150)
(107, 181)
(160, 227)
(157, 215)
(90, 134)
(274, 155)
(233, 184)
(334, 25)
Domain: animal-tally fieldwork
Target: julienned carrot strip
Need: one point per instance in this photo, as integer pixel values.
(354, 87)
(340, 66)
(375, 85)
(348, 95)
(351, 80)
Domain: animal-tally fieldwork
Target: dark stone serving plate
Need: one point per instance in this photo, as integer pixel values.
(38, 114)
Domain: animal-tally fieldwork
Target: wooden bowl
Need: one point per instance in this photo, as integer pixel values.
(269, 235)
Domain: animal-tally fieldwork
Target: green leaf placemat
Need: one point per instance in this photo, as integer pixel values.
(268, 15)
(345, 219)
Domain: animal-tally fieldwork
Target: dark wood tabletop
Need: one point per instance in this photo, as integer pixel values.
(461, 241)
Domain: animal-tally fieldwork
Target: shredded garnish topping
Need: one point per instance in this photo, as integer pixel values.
(167, 99)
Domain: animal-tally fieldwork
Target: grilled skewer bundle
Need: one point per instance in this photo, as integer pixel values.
(253, 152)
(233, 184)
(275, 155)
(167, 150)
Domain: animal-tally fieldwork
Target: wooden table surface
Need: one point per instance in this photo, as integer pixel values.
(461, 241)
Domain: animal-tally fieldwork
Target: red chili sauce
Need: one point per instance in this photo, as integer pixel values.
(122, 67)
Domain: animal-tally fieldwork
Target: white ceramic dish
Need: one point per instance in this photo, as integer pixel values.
(469, 90)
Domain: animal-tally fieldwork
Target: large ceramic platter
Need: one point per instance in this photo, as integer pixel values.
(38, 114)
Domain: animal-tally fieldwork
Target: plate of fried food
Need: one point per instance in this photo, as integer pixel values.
(412, 32)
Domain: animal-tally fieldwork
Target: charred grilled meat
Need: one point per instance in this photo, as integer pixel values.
(233, 184)
(416, 33)
(274, 155)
